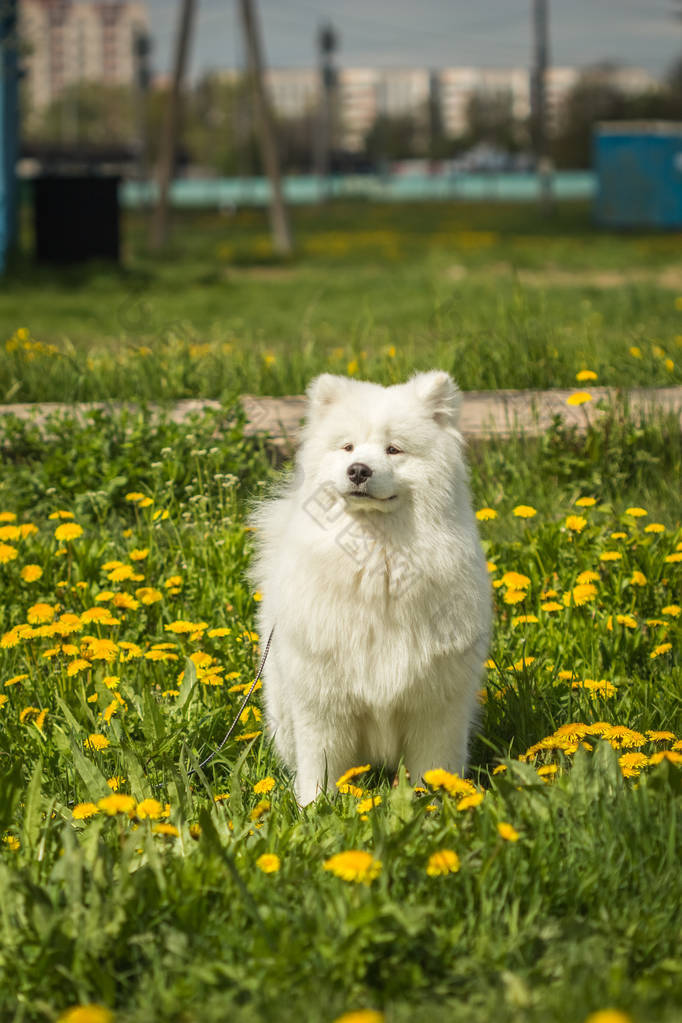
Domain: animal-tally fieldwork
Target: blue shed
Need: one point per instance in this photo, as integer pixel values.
(639, 174)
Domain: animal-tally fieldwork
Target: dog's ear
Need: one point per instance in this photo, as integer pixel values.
(440, 395)
(324, 391)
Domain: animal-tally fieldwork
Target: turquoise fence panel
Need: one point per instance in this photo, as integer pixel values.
(225, 193)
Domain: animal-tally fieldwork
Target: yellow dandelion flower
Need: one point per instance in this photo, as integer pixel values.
(361, 1016)
(638, 579)
(587, 577)
(354, 865)
(438, 778)
(579, 398)
(91, 1013)
(115, 782)
(68, 531)
(135, 496)
(139, 554)
(82, 811)
(661, 736)
(120, 573)
(514, 596)
(586, 502)
(149, 809)
(351, 790)
(269, 863)
(173, 582)
(666, 754)
(100, 649)
(265, 785)
(470, 802)
(352, 772)
(575, 523)
(443, 862)
(636, 513)
(181, 626)
(14, 679)
(673, 610)
(169, 830)
(7, 553)
(619, 536)
(524, 511)
(515, 581)
(246, 736)
(610, 556)
(260, 809)
(655, 527)
(365, 805)
(8, 516)
(629, 621)
(580, 594)
(117, 802)
(97, 741)
(550, 605)
(31, 573)
(485, 514)
(661, 649)
(622, 737)
(673, 559)
(76, 666)
(636, 352)
(525, 620)
(521, 664)
(585, 375)
(28, 713)
(40, 613)
(507, 832)
(352, 367)
(491, 566)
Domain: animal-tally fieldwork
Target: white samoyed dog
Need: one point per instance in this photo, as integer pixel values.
(375, 582)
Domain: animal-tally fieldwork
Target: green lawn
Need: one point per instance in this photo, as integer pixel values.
(557, 893)
(494, 293)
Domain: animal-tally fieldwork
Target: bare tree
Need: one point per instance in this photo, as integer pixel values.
(171, 127)
(279, 223)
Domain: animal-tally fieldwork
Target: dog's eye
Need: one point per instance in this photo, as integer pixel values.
(347, 447)
(393, 450)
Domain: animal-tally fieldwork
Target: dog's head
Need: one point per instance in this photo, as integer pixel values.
(381, 447)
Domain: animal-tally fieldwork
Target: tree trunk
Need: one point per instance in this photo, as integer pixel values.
(171, 126)
(279, 223)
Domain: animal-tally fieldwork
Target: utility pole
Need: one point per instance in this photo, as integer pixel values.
(327, 43)
(141, 79)
(279, 223)
(170, 132)
(538, 99)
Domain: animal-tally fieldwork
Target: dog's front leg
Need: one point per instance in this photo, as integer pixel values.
(322, 755)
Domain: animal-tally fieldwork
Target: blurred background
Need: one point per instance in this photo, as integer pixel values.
(221, 136)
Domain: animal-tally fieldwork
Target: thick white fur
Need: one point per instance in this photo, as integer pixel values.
(381, 603)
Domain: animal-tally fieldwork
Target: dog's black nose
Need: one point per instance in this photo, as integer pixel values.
(358, 472)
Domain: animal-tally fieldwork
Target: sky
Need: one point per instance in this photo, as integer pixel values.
(430, 33)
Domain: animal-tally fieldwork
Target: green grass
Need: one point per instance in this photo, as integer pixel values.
(494, 293)
(581, 913)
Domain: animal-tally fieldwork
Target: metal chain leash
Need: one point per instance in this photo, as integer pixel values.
(241, 708)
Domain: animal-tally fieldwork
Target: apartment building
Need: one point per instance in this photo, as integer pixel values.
(69, 41)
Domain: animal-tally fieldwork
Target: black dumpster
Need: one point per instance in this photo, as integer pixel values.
(76, 218)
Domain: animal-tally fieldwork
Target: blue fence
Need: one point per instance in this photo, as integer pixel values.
(235, 192)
